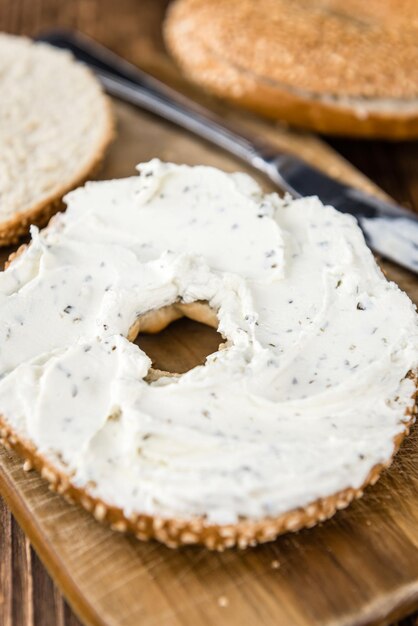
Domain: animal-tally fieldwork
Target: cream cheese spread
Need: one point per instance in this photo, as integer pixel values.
(304, 401)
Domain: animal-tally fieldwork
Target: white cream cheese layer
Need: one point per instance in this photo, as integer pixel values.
(305, 400)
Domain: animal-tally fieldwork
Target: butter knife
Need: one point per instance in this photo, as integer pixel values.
(389, 229)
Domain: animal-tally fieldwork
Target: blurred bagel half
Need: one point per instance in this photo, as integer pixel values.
(333, 66)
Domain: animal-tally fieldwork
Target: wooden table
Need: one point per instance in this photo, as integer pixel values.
(28, 597)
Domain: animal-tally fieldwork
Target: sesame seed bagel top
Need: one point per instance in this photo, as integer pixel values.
(341, 48)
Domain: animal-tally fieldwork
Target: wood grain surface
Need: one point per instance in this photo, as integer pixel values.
(359, 568)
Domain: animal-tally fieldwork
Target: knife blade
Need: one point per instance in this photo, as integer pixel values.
(389, 229)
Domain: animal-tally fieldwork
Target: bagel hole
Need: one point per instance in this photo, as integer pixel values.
(179, 345)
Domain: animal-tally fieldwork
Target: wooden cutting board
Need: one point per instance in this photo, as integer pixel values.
(359, 568)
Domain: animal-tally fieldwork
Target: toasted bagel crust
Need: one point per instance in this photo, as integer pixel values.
(347, 70)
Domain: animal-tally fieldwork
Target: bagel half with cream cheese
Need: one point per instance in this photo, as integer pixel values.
(301, 408)
(55, 126)
(338, 67)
